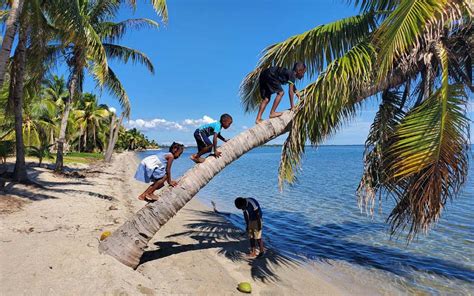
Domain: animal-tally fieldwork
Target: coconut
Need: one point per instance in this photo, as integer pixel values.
(245, 287)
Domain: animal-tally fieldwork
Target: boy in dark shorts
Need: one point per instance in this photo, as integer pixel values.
(271, 80)
(203, 133)
(253, 219)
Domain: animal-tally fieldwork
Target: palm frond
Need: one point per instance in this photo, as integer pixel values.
(376, 5)
(380, 136)
(103, 9)
(97, 53)
(429, 159)
(125, 54)
(327, 104)
(113, 32)
(316, 48)
(406, 26)
(115, 88)
(161, 9)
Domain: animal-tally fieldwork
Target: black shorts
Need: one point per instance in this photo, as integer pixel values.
(202, 140)
(268, 85)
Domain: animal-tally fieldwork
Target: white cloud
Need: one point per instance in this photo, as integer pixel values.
(197, 122)
(154, 124)
(163, 124)
(112, 109)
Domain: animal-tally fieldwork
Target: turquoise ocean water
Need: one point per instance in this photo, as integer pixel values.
(318, 220)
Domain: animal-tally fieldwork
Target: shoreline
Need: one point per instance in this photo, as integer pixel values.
(50, 237)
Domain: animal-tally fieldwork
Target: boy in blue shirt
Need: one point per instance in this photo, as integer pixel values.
(253, 219)
(203, 133)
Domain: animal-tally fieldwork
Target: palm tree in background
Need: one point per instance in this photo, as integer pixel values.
(91, 117)
(415, 56)
(55, 89)
(88, 26)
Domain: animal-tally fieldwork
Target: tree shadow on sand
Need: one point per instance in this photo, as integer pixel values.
(327, 243)
(212, 231)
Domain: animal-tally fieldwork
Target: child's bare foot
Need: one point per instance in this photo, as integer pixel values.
(275, 114)
(142, 196)
(152, 197)
(251, 255)
(194, 158)
(258, 121)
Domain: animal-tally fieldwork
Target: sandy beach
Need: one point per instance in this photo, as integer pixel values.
(49, 239)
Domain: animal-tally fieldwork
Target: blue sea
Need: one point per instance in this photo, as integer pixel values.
(318, 219)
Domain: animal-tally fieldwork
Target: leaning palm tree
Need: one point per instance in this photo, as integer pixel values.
(16, 7)
(88, 26)
(416, 55)
(128, 243)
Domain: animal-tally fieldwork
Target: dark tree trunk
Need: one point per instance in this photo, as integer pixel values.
(62, 131)
(17, 81)
(10, 32)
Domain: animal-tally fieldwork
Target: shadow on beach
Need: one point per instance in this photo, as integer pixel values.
(325, 243)
(41, 189)
(213, 231)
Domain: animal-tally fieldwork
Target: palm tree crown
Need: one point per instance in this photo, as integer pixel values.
(416, 56)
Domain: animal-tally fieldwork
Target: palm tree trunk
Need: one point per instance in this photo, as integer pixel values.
(51, 136)
(85, 139)
(18, 73)
(111, 133)
(10, 32)
(113, 141)
(127, 243)
(80, 138)
(93, 136)
(62, 130)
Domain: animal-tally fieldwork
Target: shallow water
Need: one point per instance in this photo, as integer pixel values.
(318, 219)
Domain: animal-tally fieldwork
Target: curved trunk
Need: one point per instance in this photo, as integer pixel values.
(10, 32)
(127, 243)
(17, 81)
(62, 130)
(113, 139)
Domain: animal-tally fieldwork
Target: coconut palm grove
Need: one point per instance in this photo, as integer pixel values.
(413, 58)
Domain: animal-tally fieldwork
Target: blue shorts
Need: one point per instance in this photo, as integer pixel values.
(202, 140)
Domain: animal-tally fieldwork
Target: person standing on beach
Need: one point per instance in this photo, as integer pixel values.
(253, 219)
(271, 81)
(157, 169)
(202, 134)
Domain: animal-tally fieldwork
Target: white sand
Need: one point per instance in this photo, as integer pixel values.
(49, 239)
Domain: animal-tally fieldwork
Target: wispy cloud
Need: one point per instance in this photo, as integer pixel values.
(163, 124)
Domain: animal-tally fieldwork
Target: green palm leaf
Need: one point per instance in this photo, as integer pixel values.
(114, 31)
(125, 54)
(403, 28)
(159, 6)
(380, 136)
(376, 5)
(316, 48)
(115, 88)
(428, 161)
(327, 104)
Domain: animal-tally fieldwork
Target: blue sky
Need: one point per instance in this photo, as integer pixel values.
(202, 55)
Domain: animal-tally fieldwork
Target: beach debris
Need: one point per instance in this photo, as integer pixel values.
(244, 287)
(104, 235)
(113, 208)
